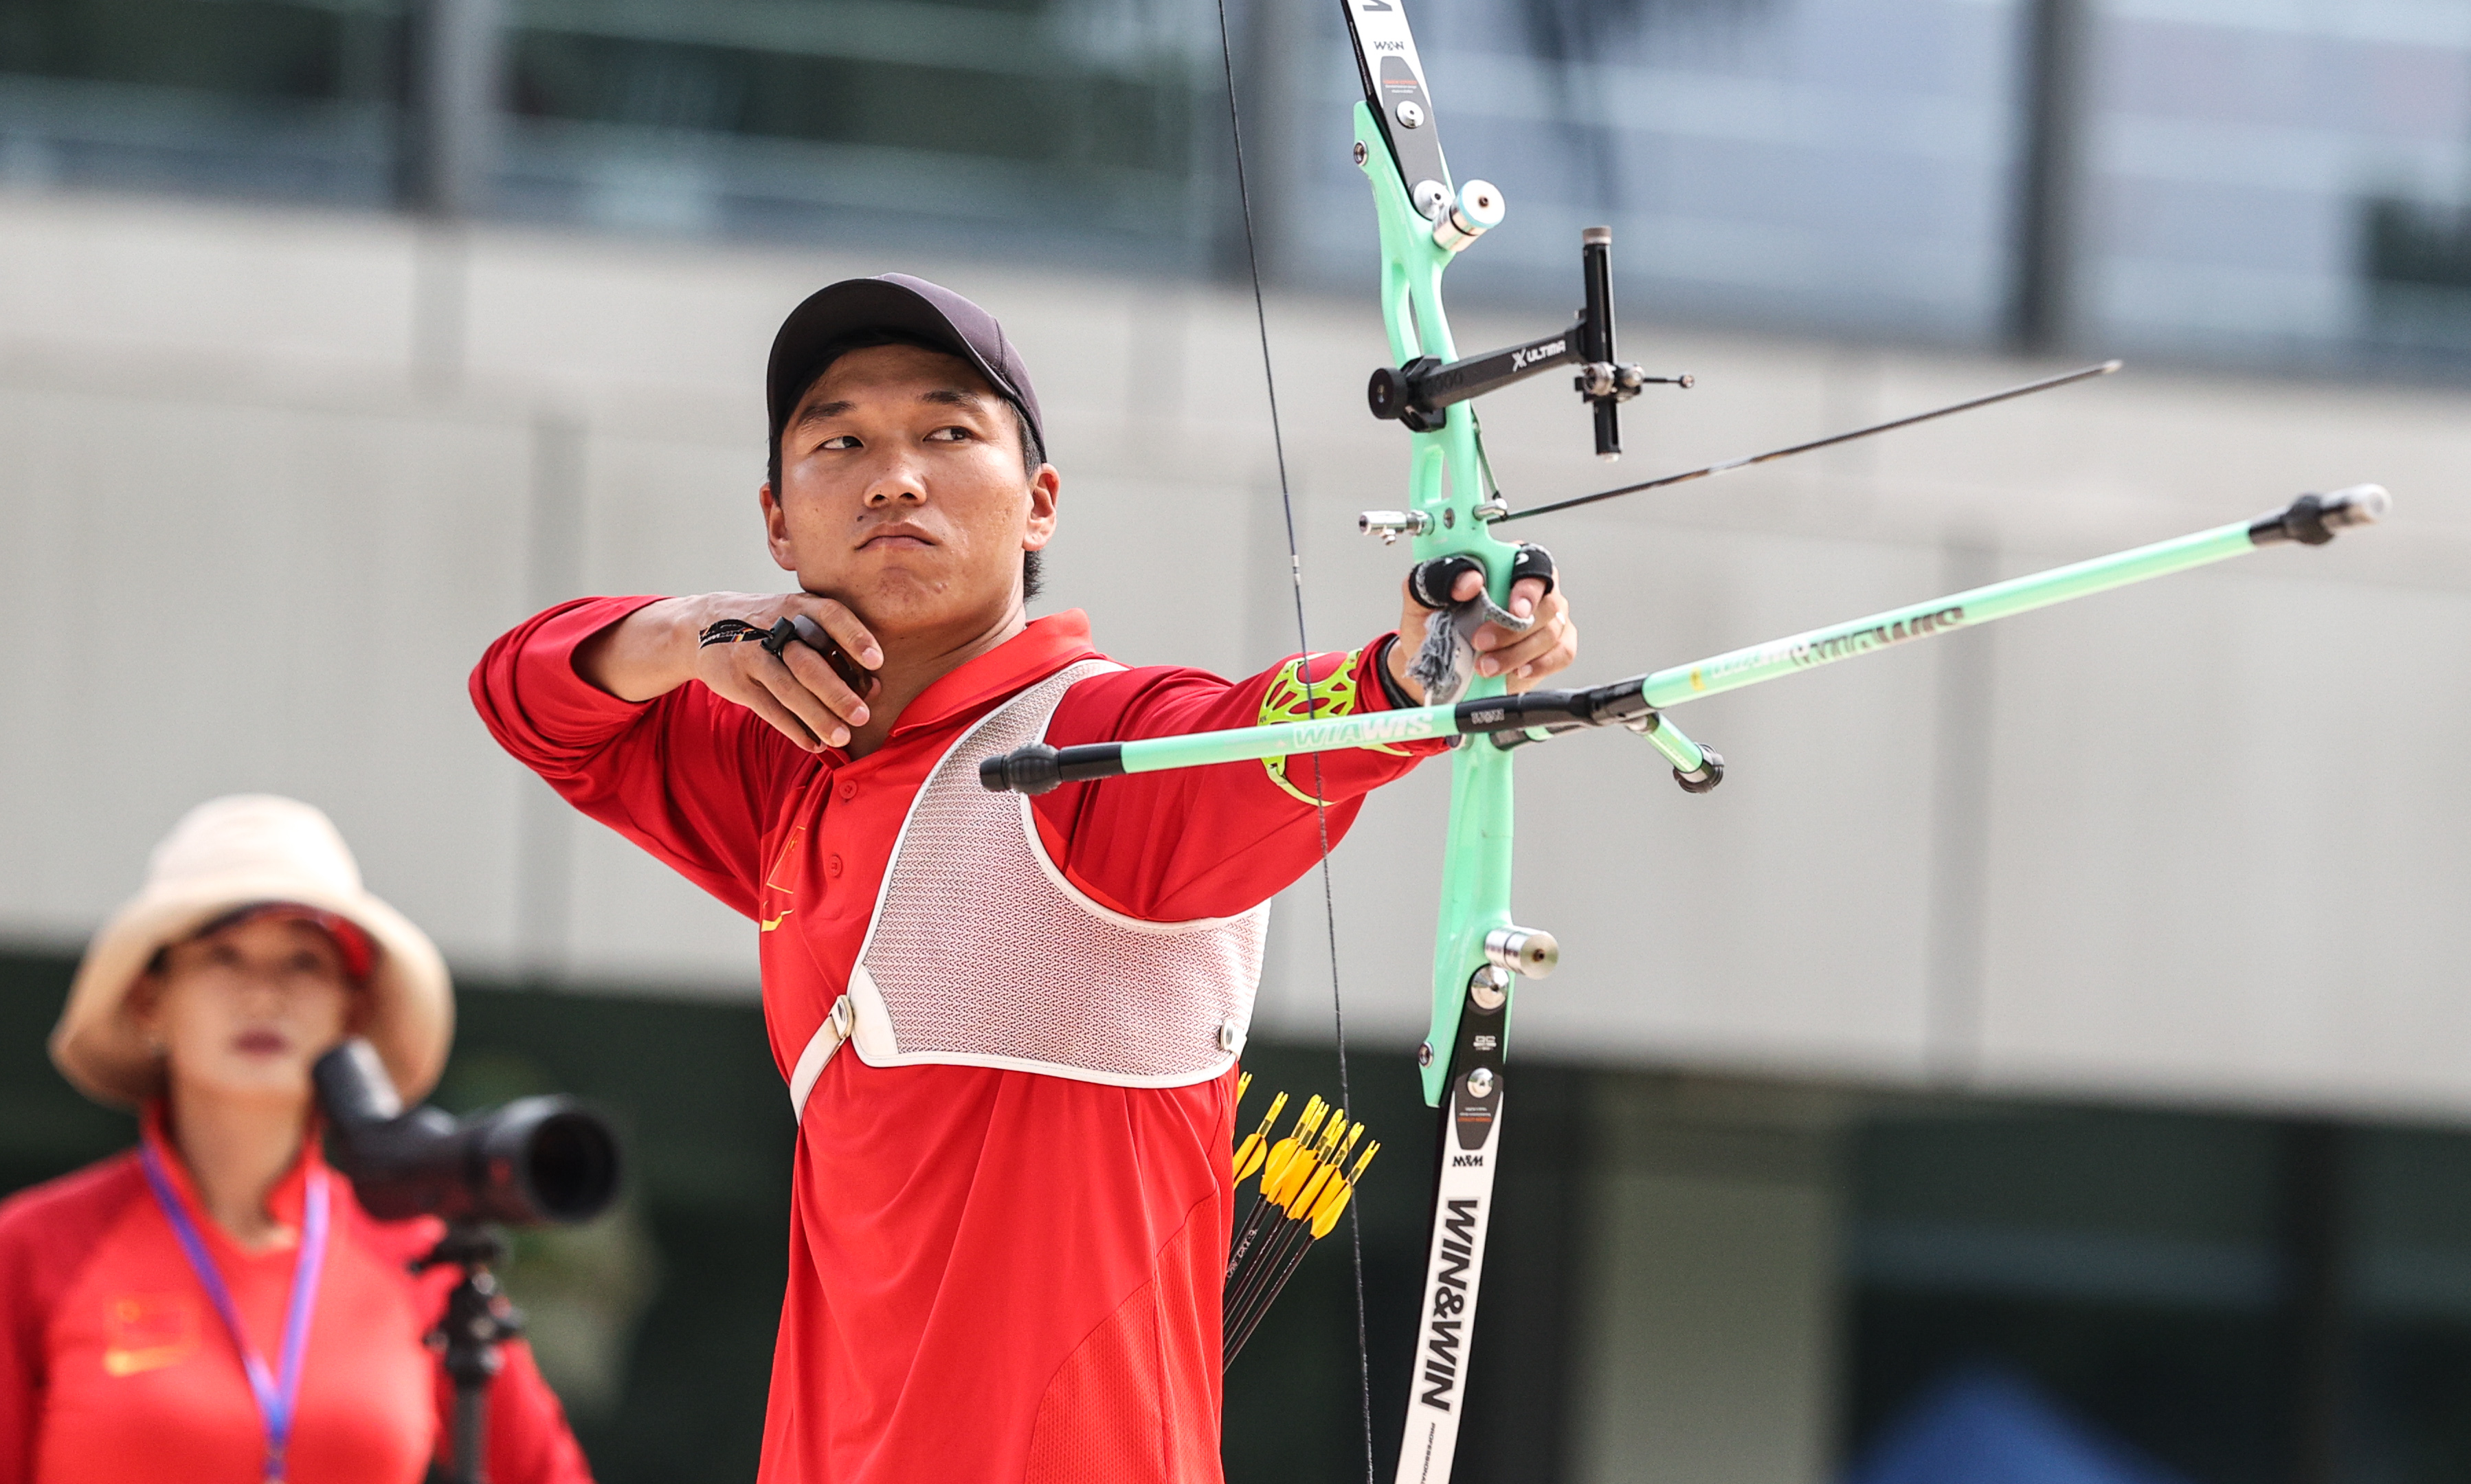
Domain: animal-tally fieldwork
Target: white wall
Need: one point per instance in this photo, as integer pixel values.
(268, 481)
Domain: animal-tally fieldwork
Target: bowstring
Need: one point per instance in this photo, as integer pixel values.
(1312, 708)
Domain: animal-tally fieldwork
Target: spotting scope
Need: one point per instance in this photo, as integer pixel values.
(533, 1161)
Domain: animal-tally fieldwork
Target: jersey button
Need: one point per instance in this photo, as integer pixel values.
(848, 790)
(831, 865)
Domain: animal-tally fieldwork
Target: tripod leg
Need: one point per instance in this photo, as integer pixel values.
(478, 1319)
(471, 1457)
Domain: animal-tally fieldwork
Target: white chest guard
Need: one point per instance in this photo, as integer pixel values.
(982, 954)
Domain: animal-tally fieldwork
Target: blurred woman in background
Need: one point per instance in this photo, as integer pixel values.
(214, 1306)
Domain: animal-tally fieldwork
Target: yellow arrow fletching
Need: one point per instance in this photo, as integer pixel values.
(1333, 1195)
(1292, 1179)
(1255, 1146)
(1331, 1208)
(1332, 1204)
(1243, 1085)
(1322, 1151)
(1304, 1198)
(1284, 1152)
(1296, 1191)
(1333, 1159)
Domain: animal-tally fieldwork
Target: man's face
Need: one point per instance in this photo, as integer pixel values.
(902, 493)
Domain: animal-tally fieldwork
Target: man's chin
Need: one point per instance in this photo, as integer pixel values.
(908, 599)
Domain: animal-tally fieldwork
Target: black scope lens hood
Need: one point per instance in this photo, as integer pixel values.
(533, 1161)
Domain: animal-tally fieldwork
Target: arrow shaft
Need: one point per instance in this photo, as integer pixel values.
(1752, 461)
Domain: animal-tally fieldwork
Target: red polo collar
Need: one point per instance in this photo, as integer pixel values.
(1041, 649)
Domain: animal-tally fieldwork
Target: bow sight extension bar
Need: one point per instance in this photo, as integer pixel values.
(1417, 393)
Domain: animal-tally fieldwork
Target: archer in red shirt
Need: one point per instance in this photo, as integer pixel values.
(1008, 1031)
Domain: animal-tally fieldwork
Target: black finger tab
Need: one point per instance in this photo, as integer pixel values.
(802, 629)
(1532, 561)
(1429, 582)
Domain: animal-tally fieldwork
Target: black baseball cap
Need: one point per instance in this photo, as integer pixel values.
(904, 305)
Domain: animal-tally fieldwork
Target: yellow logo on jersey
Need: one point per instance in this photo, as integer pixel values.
(147, 1332)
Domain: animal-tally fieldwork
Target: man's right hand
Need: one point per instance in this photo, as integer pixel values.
(658, 647)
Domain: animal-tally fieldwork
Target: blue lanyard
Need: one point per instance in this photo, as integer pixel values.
(276, 1395)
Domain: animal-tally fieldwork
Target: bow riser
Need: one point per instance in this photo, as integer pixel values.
(1445, 483)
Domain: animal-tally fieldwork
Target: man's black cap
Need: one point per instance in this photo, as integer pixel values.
(904, 305)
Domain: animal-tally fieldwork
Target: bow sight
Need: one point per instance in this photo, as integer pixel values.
(1417, 392)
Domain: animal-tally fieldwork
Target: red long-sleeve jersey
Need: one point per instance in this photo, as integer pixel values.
(993, 1274)
(115, 1367)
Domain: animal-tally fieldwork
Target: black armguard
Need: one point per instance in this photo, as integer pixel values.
(1392, 694)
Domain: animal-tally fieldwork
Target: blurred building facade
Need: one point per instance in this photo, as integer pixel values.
(2283, 182)
(2080, 997)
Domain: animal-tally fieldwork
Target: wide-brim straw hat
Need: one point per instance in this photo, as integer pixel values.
(229, 853)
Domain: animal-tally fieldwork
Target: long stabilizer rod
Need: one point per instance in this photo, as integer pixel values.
(1637, 702)
(1750, 460)
(2311, 519)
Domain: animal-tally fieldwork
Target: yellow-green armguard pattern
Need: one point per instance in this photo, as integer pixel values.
(1287, 700)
